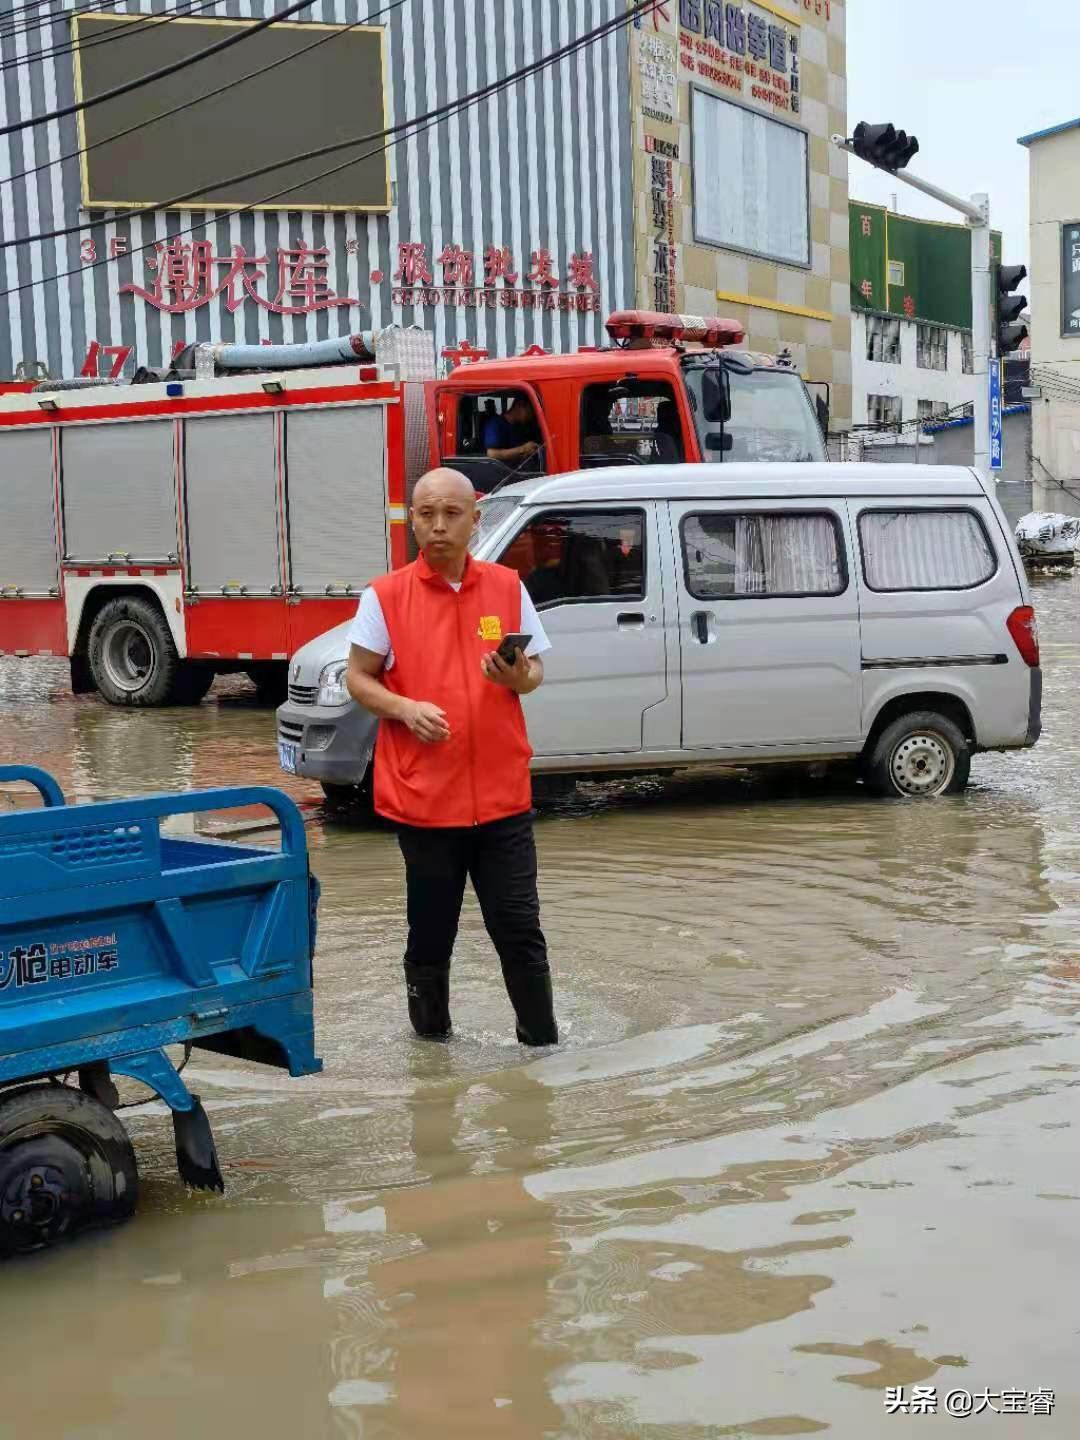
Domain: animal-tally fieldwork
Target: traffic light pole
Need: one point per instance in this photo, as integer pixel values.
(980, 333)
(977, 212)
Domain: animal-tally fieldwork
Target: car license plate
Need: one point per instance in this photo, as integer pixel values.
(287, 756)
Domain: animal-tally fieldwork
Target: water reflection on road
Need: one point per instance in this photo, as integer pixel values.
(811, 1133)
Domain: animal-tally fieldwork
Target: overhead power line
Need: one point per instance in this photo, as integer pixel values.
(176, 202)
(123, 31)
(28, 5)
(323, 39)
(155, 75)
(40, 22)
(417, 126)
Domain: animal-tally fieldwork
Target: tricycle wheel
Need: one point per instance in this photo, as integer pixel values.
(66, 1163)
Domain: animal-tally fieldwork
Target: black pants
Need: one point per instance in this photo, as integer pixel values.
(500, 859)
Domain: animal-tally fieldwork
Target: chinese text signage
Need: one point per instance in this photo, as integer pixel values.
(503, 285)
(741, 48)
(185, 275)
(1070, 278)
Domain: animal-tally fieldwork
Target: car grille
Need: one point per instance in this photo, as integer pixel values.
(288, 730)
(303, 694)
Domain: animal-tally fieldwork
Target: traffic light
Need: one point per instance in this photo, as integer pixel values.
(884, 146)
(1008, 327)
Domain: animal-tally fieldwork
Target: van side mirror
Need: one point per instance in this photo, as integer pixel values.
(822, 415)
(714, 440)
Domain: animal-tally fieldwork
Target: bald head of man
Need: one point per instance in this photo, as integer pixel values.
(444, 513)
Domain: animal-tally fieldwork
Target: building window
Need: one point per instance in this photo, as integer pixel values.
(883, 339)
(932, 347)
(924, 550)
(967, 352)
(728, 557)
(883, 409)
(933, 409)
(897, 271)
(758, 197)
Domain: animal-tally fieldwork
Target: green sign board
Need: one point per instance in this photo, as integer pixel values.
(917, 269)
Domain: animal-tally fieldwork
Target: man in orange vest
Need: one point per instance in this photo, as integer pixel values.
(452, 759)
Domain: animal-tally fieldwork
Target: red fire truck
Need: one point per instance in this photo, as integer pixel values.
(217, 516)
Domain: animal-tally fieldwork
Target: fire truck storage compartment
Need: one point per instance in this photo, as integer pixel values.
(119, 491)
(336, 487)
(230, 478)
(28, 559)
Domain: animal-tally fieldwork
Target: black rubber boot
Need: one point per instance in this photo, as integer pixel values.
(530, 994)
(429, 1001)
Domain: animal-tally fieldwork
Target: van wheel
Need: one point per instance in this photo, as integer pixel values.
(918, 755)
(131, 653)
(66, 1162)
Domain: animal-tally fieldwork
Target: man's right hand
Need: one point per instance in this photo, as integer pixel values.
(426, 721)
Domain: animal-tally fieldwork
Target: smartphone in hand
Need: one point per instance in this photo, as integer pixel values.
(507, 651)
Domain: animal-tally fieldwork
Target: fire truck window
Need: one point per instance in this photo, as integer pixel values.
(630, 424)
(564, 557)
(492, 421)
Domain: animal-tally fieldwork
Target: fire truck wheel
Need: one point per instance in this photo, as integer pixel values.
(271, 681)
(66, 1163)
(193, 683)
(132, 656)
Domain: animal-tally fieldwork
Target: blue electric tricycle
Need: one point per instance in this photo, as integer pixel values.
(116, 941)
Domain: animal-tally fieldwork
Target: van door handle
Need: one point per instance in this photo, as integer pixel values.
(699, 625)
(630, 620)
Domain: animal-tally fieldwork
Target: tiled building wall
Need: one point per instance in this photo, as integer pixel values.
(805, 309)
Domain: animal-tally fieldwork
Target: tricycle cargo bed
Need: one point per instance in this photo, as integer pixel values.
(117, 940)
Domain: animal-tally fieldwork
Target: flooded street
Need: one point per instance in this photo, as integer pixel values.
(812, 1132)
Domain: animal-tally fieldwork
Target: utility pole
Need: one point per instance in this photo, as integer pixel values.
(888, 149)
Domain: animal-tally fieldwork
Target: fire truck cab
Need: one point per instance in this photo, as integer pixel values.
(673, 389)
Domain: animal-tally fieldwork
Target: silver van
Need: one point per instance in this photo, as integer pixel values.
(743, 614)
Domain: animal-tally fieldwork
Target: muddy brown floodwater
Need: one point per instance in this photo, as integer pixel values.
(812, 1132)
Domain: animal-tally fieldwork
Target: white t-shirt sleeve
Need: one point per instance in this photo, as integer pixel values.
(368, 629)
(532, 625)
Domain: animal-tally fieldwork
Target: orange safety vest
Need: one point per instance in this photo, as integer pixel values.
(438, 637)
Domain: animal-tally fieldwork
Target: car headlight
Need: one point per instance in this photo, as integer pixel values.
(332, 689)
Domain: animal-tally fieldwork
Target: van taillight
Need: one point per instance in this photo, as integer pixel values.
(1024, 629)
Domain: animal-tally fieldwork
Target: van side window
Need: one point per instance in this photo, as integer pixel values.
(925, 550)
(569, 556)
(729, 557)
(630, 422)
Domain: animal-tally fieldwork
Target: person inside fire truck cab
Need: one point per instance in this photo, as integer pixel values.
(452, 758)
(668, 437)
(510, 438)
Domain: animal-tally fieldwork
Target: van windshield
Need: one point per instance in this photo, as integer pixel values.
(771, 416)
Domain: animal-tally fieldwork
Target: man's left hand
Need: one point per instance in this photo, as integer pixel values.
(517, 677)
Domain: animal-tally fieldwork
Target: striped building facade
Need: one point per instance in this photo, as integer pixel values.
(544, 168)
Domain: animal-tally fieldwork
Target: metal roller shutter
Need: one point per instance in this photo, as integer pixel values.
(28, 529)
(231, 486)
(336, 469)
(119, 497)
